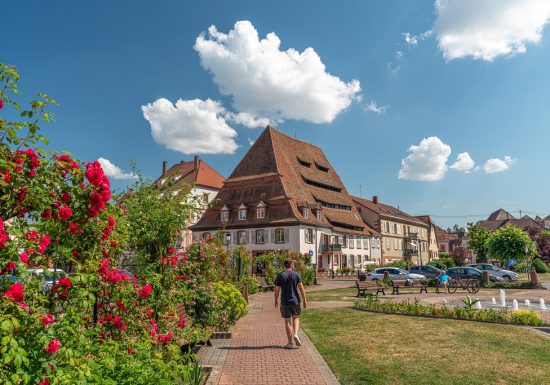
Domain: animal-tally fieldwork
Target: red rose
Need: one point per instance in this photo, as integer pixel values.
(24, 258)
(66, 197)
(4, 237)
(47, 319)
(145, 291)
(165, 337)
(45, 381)
(53, 346)
(16, 292)
(46, 213)
(65, 213)
(1, 104)
(10, 266)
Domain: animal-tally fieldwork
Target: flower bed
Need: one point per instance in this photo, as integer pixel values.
(467, 312)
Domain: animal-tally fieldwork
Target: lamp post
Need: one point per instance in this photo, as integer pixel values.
(227, 239)
(239, 266)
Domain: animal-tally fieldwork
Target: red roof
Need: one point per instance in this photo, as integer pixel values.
(195, 172)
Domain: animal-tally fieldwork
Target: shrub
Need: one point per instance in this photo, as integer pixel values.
(229, 305)
(508, 285)
(540, 266)
(526, 317)
(401, 264)
(253, 283)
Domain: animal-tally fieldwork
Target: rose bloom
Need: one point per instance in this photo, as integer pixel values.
(47, 319)
(65, 213)
(45, 381)
(24, 258)
(16, 292)
(53, 346)
(10, 266)
(145, 291)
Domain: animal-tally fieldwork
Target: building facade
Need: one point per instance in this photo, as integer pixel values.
(403, 237)
(285, 195)
(433, 247)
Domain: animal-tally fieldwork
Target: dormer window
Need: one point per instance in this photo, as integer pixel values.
(224, 214)
(306, 212)
(319, 214)
(242, 212)
(260, 210)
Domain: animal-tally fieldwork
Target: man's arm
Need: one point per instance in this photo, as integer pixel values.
(303, 293)
(277, 292)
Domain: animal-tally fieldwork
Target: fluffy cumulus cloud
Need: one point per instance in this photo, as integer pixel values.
(498, 165)
(113, 171)
(373, 107)
(426, 161)
(191, 126)
(486, 29)
(464, 162)
(265, 81)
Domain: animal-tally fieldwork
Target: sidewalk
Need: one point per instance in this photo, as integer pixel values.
(255, 355)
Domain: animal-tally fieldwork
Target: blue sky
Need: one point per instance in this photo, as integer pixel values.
(447, 78)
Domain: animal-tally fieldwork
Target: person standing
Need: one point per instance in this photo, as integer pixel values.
(287, 285)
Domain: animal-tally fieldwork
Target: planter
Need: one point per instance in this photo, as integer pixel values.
(221, 335)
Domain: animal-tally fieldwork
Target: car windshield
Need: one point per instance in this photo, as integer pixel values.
(490, 267)
(400, 271)
(49, 275)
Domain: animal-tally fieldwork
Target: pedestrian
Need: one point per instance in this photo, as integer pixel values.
(287, 285)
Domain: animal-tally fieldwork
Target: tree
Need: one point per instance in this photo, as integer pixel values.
(459, 255)
(478, 241)
(511, 243)
(542, 239)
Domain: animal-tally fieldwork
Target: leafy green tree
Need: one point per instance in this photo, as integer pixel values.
(509, 243)
(478, 241)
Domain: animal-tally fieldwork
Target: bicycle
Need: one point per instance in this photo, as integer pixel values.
(472, 285)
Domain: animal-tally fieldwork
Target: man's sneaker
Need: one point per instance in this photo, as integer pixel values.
(297, 340)
(289, 346)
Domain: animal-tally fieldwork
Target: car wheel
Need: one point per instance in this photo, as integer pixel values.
(507, 278)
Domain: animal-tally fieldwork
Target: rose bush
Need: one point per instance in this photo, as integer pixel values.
(99, 325)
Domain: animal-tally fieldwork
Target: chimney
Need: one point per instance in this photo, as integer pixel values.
(375, 199)
(196, 161)
(163, 167)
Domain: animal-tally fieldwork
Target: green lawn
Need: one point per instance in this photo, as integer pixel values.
(365, 348)
(341, 294)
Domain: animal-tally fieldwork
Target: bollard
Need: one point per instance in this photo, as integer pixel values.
(245, 291)
(485, 277)
(534, 276)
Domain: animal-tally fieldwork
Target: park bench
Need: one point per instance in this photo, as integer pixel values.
(264, 286)
(399, 284)
(368, 287)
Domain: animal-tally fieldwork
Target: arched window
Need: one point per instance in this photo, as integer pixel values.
(309, 236)
(260, 236)
(242, 237)
(206, 236)
(280, 236)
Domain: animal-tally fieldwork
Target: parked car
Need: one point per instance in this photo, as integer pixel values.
(395, 273)
(48, 276)
(428, 271)
(470, 273)
(507, 275)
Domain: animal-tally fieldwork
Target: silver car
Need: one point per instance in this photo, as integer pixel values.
(395, 273)
(506, 275)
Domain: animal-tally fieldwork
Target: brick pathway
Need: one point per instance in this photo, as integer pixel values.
(256, 357)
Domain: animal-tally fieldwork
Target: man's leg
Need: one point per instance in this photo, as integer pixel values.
(288, 327)
(296, 324)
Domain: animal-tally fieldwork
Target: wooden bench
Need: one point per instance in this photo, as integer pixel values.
(368, 287)
(264, 286)
(397, 284)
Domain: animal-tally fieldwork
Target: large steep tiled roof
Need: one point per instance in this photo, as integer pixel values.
(500, 215)
(294, 172)
(197, 173)
(387, 211)
(522, 223)
(443, 236)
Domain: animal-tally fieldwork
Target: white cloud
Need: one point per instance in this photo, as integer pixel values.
(373, 107)
(247, 119)
(486, 29)
(399, 55)
(464, 162)
(265, 81)
(113, 171)
(191, 126)
(251, 141)
(498, 165)
(427, 161)
(410, 39)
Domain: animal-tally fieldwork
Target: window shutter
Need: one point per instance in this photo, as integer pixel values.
(235, 237)
(247, 237)
(272, 240)
(286, 236)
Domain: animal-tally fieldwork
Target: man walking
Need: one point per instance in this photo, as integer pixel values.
(287, 285)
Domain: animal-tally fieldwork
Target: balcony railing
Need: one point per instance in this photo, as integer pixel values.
(411, 236)
(330, 247)
(411, 253)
